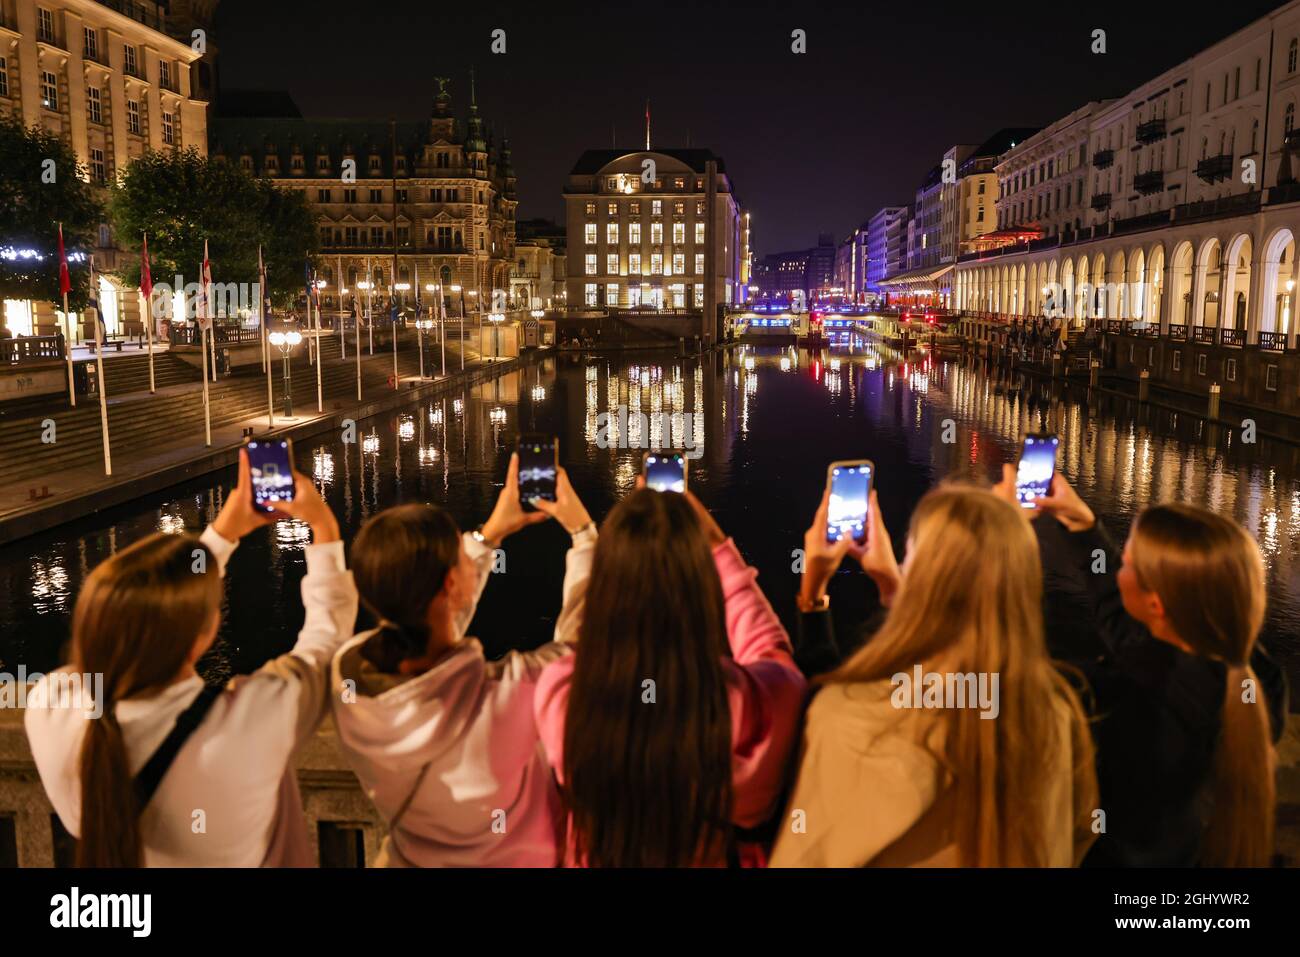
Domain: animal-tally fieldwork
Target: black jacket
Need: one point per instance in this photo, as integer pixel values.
(1156, 710)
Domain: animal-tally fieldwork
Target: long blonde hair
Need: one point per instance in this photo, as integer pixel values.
(136, 620)
(971, 599)
(1209, 576)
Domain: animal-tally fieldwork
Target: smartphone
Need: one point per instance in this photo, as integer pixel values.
(850, 485)
(664, 471)
(538, 464)
(271, 464)
(1037, 463)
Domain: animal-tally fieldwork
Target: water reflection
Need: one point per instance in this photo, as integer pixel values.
(763, 423)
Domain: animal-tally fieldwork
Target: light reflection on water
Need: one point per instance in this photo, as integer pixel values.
(769, 421)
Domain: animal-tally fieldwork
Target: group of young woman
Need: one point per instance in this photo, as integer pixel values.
(671, 721)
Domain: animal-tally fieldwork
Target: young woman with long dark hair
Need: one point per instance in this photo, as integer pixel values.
(670, 727)
(442, 739)
(174, 774)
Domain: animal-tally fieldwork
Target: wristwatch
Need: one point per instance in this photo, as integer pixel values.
(810, 607)
(585, 534)
(482, 539)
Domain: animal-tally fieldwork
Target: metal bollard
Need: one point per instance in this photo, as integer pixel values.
(1144, 385)
(1213, 410)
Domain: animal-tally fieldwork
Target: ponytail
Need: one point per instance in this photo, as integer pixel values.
(400, 561)
(1240, 833)
(136, 621)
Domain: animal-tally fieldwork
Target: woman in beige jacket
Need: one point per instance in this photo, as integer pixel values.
(949, 739)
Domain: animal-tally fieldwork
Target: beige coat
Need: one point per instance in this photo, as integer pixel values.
(871, 791)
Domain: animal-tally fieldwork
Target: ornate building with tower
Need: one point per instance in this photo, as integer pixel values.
(445, 197)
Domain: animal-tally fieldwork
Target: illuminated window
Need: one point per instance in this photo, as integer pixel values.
(612, 209)
(656, 233)
(679, 233)
(611, 294)
(699, 208)
(589, 294)
(634, 233)
(590, 264)
(611, 264)
(679, 208)
(611, 233)
(633, 264)
(589, 234)
(49, 91)
(699, 233)
(634, 208)
(679, 263)
(656, 207)
(591, 207)
(656, 264)
(699, 264)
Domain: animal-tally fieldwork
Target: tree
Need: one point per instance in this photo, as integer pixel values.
(182, 198)
(43, 185)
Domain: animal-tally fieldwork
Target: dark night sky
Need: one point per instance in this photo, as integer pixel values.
(813, 142)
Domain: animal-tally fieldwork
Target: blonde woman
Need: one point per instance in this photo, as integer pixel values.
(1188, 703)
(949, 739)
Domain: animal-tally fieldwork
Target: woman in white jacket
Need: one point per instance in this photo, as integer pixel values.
(443, 740)
(174, 774)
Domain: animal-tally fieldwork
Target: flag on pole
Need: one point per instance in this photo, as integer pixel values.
(205, 292)
(65, 281)
(146, 280)
(417, 292)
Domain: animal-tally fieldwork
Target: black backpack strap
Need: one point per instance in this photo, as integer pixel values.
(187, 722)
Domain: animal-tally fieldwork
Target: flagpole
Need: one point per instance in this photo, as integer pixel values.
(147, 316)
(266, 345)
(442, 333)
(343, 333)
(358, 349)
(64, 284)
(212, 344)
(207, 411)
(392, 314)
(99, 375)
(370, 299)
(320, 395)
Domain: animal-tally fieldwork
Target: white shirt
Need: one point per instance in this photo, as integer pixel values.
(217, 806)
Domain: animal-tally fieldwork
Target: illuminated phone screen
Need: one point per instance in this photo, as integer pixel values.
(272, 474)
(665, 473)
(847, 515)
(1037, 463)
(537, 469)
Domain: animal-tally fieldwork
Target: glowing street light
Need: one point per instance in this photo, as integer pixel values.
(285, 340)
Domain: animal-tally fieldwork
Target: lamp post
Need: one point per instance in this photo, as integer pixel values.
(496, 318)
(422, 327)
(460, 333)
(285, 342)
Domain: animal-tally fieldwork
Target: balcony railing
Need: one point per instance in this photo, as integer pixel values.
(1101, 201)
(1203, 334)
(222, 333)
(1284, 193)
(1148, 183)
(1215, 168)
(1272, 341)
(1238, 205)
(1102, 159)
(1232, 337)
(1151, 130)
(1177, 332)
(30, 349)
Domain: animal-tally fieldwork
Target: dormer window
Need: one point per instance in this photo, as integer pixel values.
(246, 163)
(322, 164)
(374, 164)
(297, 164)
(401, 164)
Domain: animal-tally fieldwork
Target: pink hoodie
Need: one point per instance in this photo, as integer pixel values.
(764, 688)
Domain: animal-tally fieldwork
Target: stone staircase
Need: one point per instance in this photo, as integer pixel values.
(131, 373)
(139, 422)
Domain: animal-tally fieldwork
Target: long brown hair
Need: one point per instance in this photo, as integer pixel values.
(971, 601)
(400, 561)
(647, 767)
(1209, 575)
(135, 622)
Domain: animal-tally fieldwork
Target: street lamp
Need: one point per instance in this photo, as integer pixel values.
(422, 327)
(285, 342)
(496, 318)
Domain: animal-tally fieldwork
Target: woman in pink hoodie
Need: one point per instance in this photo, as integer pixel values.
(684, 699)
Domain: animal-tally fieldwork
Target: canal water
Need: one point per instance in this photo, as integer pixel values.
(766, 420)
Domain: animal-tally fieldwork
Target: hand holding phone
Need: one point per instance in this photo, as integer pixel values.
(1037, 465)
(664, 471)
(850, 490)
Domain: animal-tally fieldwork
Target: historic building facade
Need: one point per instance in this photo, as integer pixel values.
(444, 201)
(636, 244)
(113, 80)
